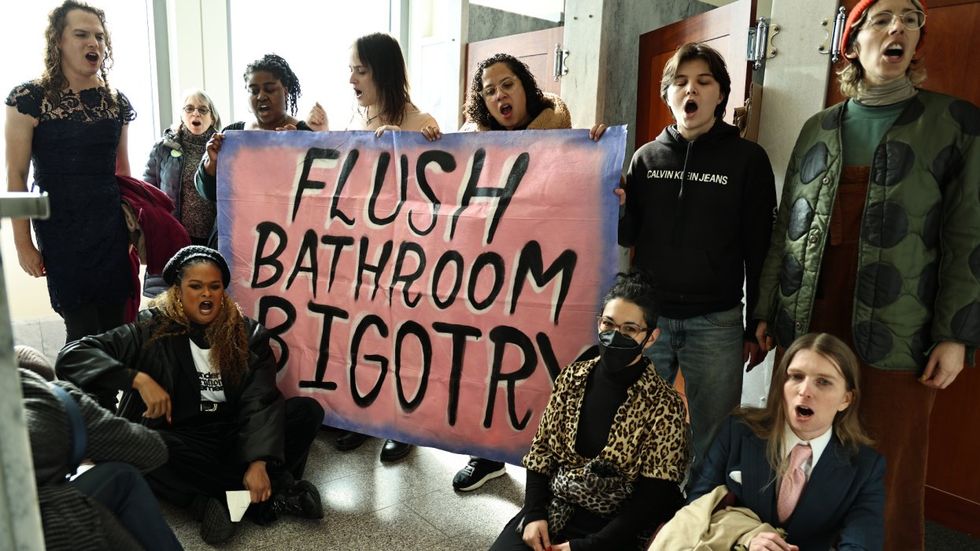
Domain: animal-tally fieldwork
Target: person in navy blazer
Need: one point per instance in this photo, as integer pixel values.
(813, 399)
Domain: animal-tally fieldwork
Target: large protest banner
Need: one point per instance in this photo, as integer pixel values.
(427, 292)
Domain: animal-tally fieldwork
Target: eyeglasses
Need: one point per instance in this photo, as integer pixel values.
(204, 111)
(628, 328)
(883, 20)
(491, 91)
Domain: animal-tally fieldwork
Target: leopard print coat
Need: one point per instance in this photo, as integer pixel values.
(648, 437)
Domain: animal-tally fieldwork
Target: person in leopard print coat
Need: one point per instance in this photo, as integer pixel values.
(611, 450)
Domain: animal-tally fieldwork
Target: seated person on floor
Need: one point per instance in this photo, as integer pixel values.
(800, 468)
(109, 506)
(203, 375)
(605, 465)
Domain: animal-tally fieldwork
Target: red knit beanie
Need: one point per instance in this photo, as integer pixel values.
(858, 10)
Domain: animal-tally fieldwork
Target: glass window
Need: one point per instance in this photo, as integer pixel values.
(316, 43)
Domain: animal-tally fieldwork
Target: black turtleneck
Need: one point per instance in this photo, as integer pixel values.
(653, 500)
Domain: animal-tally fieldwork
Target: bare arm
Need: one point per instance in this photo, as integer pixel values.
(122, 152)
(18, 133)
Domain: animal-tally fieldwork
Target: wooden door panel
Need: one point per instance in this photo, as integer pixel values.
(536, 48)
(724, 28)
(953, 481)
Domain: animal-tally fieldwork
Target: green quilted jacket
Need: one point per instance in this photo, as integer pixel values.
(918, 281)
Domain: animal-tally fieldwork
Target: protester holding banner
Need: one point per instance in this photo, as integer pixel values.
(876, 242)
(380, 82)
(698, 210)
(799, 473)
(605, 465)
(203, 375)
(273, 90)
(74, 126)
(505, 96)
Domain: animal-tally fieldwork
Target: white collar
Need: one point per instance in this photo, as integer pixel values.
(818, 445)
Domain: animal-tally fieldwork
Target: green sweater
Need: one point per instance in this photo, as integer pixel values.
(918, 281)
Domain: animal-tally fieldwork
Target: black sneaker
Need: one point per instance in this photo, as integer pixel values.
(301, 500)
(476, 473)
(216, 524)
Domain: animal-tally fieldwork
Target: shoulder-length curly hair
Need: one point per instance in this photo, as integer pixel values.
(381, 54)
(225, 335)
(476, 106)
(53, 79)
(769, 423)
(277, 66)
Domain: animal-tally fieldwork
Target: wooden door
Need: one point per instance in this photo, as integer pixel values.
(725, 29)
(536, 48)
(953, 481)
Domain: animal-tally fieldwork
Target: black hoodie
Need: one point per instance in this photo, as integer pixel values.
(699, 214)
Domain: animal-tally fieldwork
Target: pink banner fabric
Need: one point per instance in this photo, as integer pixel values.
(426, 292)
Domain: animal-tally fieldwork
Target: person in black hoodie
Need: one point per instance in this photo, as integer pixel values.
(699, 202)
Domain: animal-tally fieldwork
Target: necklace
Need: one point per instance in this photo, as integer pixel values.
(367, 119)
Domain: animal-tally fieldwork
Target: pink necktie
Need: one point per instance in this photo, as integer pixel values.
(793, 481)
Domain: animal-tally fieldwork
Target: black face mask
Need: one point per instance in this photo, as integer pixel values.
(617, 351)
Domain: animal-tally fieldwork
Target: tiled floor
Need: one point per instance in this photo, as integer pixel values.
(409, 505)
(369, 505)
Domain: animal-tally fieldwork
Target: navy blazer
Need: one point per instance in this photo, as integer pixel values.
(843, 502)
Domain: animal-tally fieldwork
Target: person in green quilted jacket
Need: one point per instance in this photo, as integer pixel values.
(877, 241)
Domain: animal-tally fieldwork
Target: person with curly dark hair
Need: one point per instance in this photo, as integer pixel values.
(203, 375)
(505, 96)
(74, 127)
(273, 90)
(605, 466)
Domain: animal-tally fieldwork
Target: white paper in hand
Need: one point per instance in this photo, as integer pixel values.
(238, 501)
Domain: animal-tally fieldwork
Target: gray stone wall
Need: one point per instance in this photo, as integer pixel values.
(485, 23)
(628, 20)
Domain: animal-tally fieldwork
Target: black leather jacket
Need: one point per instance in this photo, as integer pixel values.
(111, 360)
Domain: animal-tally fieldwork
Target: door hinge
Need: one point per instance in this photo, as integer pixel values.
(834, 35)
(560, 66)
(760, 46)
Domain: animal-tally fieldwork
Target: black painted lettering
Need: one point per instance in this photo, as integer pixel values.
(329, 313)
(366, 400)
(265, 229)
(312, 155)
(345, 171)
(459, 334)
(501, 337)
(376, 269)
(531, 263)
(444, 260)
(407, 279)
(338, 242)
(412, 328)
(267, 303)
(307, 251)
(446, 163)
(495, 261)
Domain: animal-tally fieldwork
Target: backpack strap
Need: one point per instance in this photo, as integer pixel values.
(79, 438)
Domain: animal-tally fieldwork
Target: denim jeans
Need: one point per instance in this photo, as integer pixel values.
(123, 491)
(708, 350)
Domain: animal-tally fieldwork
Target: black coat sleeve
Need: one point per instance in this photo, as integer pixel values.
(632, 212)
(105, 362)
(537, 495)
(759, 200)
(712, 473)
(261, 407)
(151, 174)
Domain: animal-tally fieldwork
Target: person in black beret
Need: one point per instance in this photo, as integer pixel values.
(202, 374)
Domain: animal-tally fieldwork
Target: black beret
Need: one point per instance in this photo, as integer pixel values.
(191, 252)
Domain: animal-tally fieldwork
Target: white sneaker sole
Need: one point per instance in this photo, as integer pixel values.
(487, 478)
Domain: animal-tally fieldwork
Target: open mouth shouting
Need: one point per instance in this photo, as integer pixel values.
(803, 412)
(690, 107)
(206, 307)
(894, 52)
(506, 109)
(92, 57)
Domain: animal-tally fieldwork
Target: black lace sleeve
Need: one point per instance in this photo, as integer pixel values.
(126, 112)
(27, 99)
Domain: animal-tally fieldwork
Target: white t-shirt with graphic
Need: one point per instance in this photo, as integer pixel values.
(212, 389)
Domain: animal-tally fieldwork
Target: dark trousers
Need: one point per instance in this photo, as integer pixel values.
(121, 489)
(203, 457)
(582, 524)
(94, 319)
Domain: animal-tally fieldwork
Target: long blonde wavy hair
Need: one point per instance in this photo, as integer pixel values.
(226, 334)
(769, 423)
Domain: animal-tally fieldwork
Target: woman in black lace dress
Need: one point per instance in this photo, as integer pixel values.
(73, 126)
